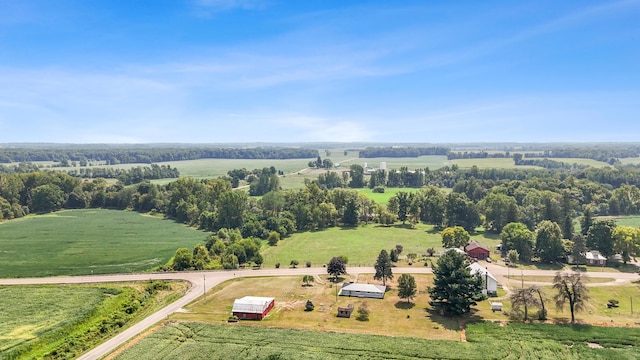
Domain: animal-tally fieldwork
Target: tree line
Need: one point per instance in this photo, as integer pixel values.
(148, 156)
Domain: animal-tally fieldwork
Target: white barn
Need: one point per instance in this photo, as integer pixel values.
(363, 290)
(491, 283)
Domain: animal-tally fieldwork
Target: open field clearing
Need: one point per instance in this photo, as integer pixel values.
(213, 168)
(630, 161)
(549, 279)
(383, 198)
(412, 331)
(361, 245)
(61, 321)
(96, 241)
(390, 316)
(624, 220)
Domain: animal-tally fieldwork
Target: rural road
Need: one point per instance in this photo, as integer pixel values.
(203, 281)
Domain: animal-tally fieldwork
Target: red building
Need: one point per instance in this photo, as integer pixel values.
(476, 250)
(252, 307)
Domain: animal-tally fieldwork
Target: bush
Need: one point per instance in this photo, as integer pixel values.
(309, 306)
(233, 319)
(363, 311)
(277, 265)
(308, 263)
(378, 189)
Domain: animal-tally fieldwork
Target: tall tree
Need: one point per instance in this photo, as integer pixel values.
(549, 241)
(579, 250)
(406, 287)
(383, 267)
(336, 267)
(586, 221)
(459, 210)
(571, 288)
(600, 236)
(516, 236)
(454, 288)
(231, 206)
(499, 210)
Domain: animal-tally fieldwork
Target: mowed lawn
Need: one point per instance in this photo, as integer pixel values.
(361, 244)
(96, 241)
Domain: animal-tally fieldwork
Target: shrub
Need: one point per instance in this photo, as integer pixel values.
(277, 265)
(309, 306)
(308, 263)
(363, 311)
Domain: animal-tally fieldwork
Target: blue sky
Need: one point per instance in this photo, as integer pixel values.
(212, 71)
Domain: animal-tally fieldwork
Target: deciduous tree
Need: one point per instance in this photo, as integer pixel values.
(453, 237)
(516, 236)
(571, 288)
(336, 267)
(406, 287)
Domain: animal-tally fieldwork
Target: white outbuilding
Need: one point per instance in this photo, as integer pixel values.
(363, 290)
(490, 282)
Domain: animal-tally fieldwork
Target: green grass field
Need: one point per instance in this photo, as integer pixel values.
(213, 168)
(77, 242)
(383, 198)
(62, 321)
(626, 220)
(485, 341)
(361, 245)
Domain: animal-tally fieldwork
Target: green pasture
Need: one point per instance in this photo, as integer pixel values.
(63, 321)
(96, 241)
(630, 161)
(484, 341)
(625, 220)
(360, 244)
(383, 198)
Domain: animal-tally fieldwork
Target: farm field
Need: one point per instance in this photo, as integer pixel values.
(65, 320)
(361, 245)
(95, 241)
(625, 220)
(485, 341)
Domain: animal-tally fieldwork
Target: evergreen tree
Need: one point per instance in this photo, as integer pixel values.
(586, 221)
(383, 267)
(454, 288)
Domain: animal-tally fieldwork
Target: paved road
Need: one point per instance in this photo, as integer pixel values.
(203, 281)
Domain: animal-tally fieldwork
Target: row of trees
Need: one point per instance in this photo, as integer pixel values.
(548, 243)
(149, 155)
(130, 176)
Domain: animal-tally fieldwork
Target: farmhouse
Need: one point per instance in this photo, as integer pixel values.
(363, 290)
(490, 282)
(252, 307)
(476, 250)
(595, 258)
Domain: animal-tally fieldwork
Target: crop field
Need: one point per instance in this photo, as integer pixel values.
(361, 245)
(96, 241)
(64, 320)
(383, 198)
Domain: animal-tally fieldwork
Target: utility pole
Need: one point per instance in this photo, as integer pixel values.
(204, 286)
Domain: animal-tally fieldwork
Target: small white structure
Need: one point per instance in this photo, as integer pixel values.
(453, 249)
(490, 282)
(363, 290)
(383, 166)
(496, 306)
